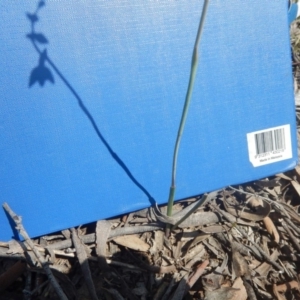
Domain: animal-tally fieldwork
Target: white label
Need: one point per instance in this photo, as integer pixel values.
(270, 145)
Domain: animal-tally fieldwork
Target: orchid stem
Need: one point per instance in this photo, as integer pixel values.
(194, 66)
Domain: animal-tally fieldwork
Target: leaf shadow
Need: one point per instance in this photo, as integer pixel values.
(41, 73)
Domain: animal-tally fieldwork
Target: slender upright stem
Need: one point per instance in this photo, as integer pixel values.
(193, 72)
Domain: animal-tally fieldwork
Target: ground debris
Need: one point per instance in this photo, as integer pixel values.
(244, 249)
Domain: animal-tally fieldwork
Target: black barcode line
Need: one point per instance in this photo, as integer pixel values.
(269, 141)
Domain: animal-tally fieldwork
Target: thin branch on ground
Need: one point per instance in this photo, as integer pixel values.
(18, 221)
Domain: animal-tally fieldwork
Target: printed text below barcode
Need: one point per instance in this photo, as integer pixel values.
(269, 145)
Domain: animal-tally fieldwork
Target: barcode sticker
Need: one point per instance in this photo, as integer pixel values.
(269, 145)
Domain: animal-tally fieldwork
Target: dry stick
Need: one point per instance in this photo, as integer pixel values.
(198, 219)
(39, 287)
(103, 229)
(195, 206)
(83, 260)
(119, 264)
(90, 238)
(200, 270)
(291, 235)
(18, 221)
(202, 218)
(244, 250)
(289, 222)
(276, 205)
(180, 290)
(263, 253)
(169, 289)
(249, 290)
(26, 291)
(161, 289)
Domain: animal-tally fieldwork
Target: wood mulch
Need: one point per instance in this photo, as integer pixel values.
(243, 243)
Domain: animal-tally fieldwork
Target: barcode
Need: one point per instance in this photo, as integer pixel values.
(269, 145)
(269, 141)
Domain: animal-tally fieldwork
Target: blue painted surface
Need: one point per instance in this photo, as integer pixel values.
(67, 161)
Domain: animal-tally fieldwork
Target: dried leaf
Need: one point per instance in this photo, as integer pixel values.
(239, 263)
(212, 281)
(241, 294)
(274, 192)
(289, 209)
(215, 279)
(297, 172)
(267, 183)
(288, 286)
(271, 229)
(277, 294)
(215, 228)
(296, 186)
(132, 242)
(284, 176)
(199, 271)
(253, 210)
(223, 293)
(264, 268)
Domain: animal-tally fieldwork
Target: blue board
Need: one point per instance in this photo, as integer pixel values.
(92, 94)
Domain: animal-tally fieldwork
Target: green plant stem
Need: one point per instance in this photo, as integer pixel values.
(193, 72)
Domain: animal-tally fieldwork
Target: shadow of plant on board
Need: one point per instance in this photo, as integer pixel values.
(43, 72)
(40, 73)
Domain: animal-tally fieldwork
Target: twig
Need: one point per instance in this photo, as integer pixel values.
(180, 290)
(200, 270)
(291, 235)
(167, 293)
(202, 218)
(276, 205)
(102, 233)
(83, 260)
(249, 289)
(18, 221)
(90, 238)
(118, 263)
(37, 288)
(195, 206)
(290, 223)
(161, 289)
(26, 291)
(263, 253)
